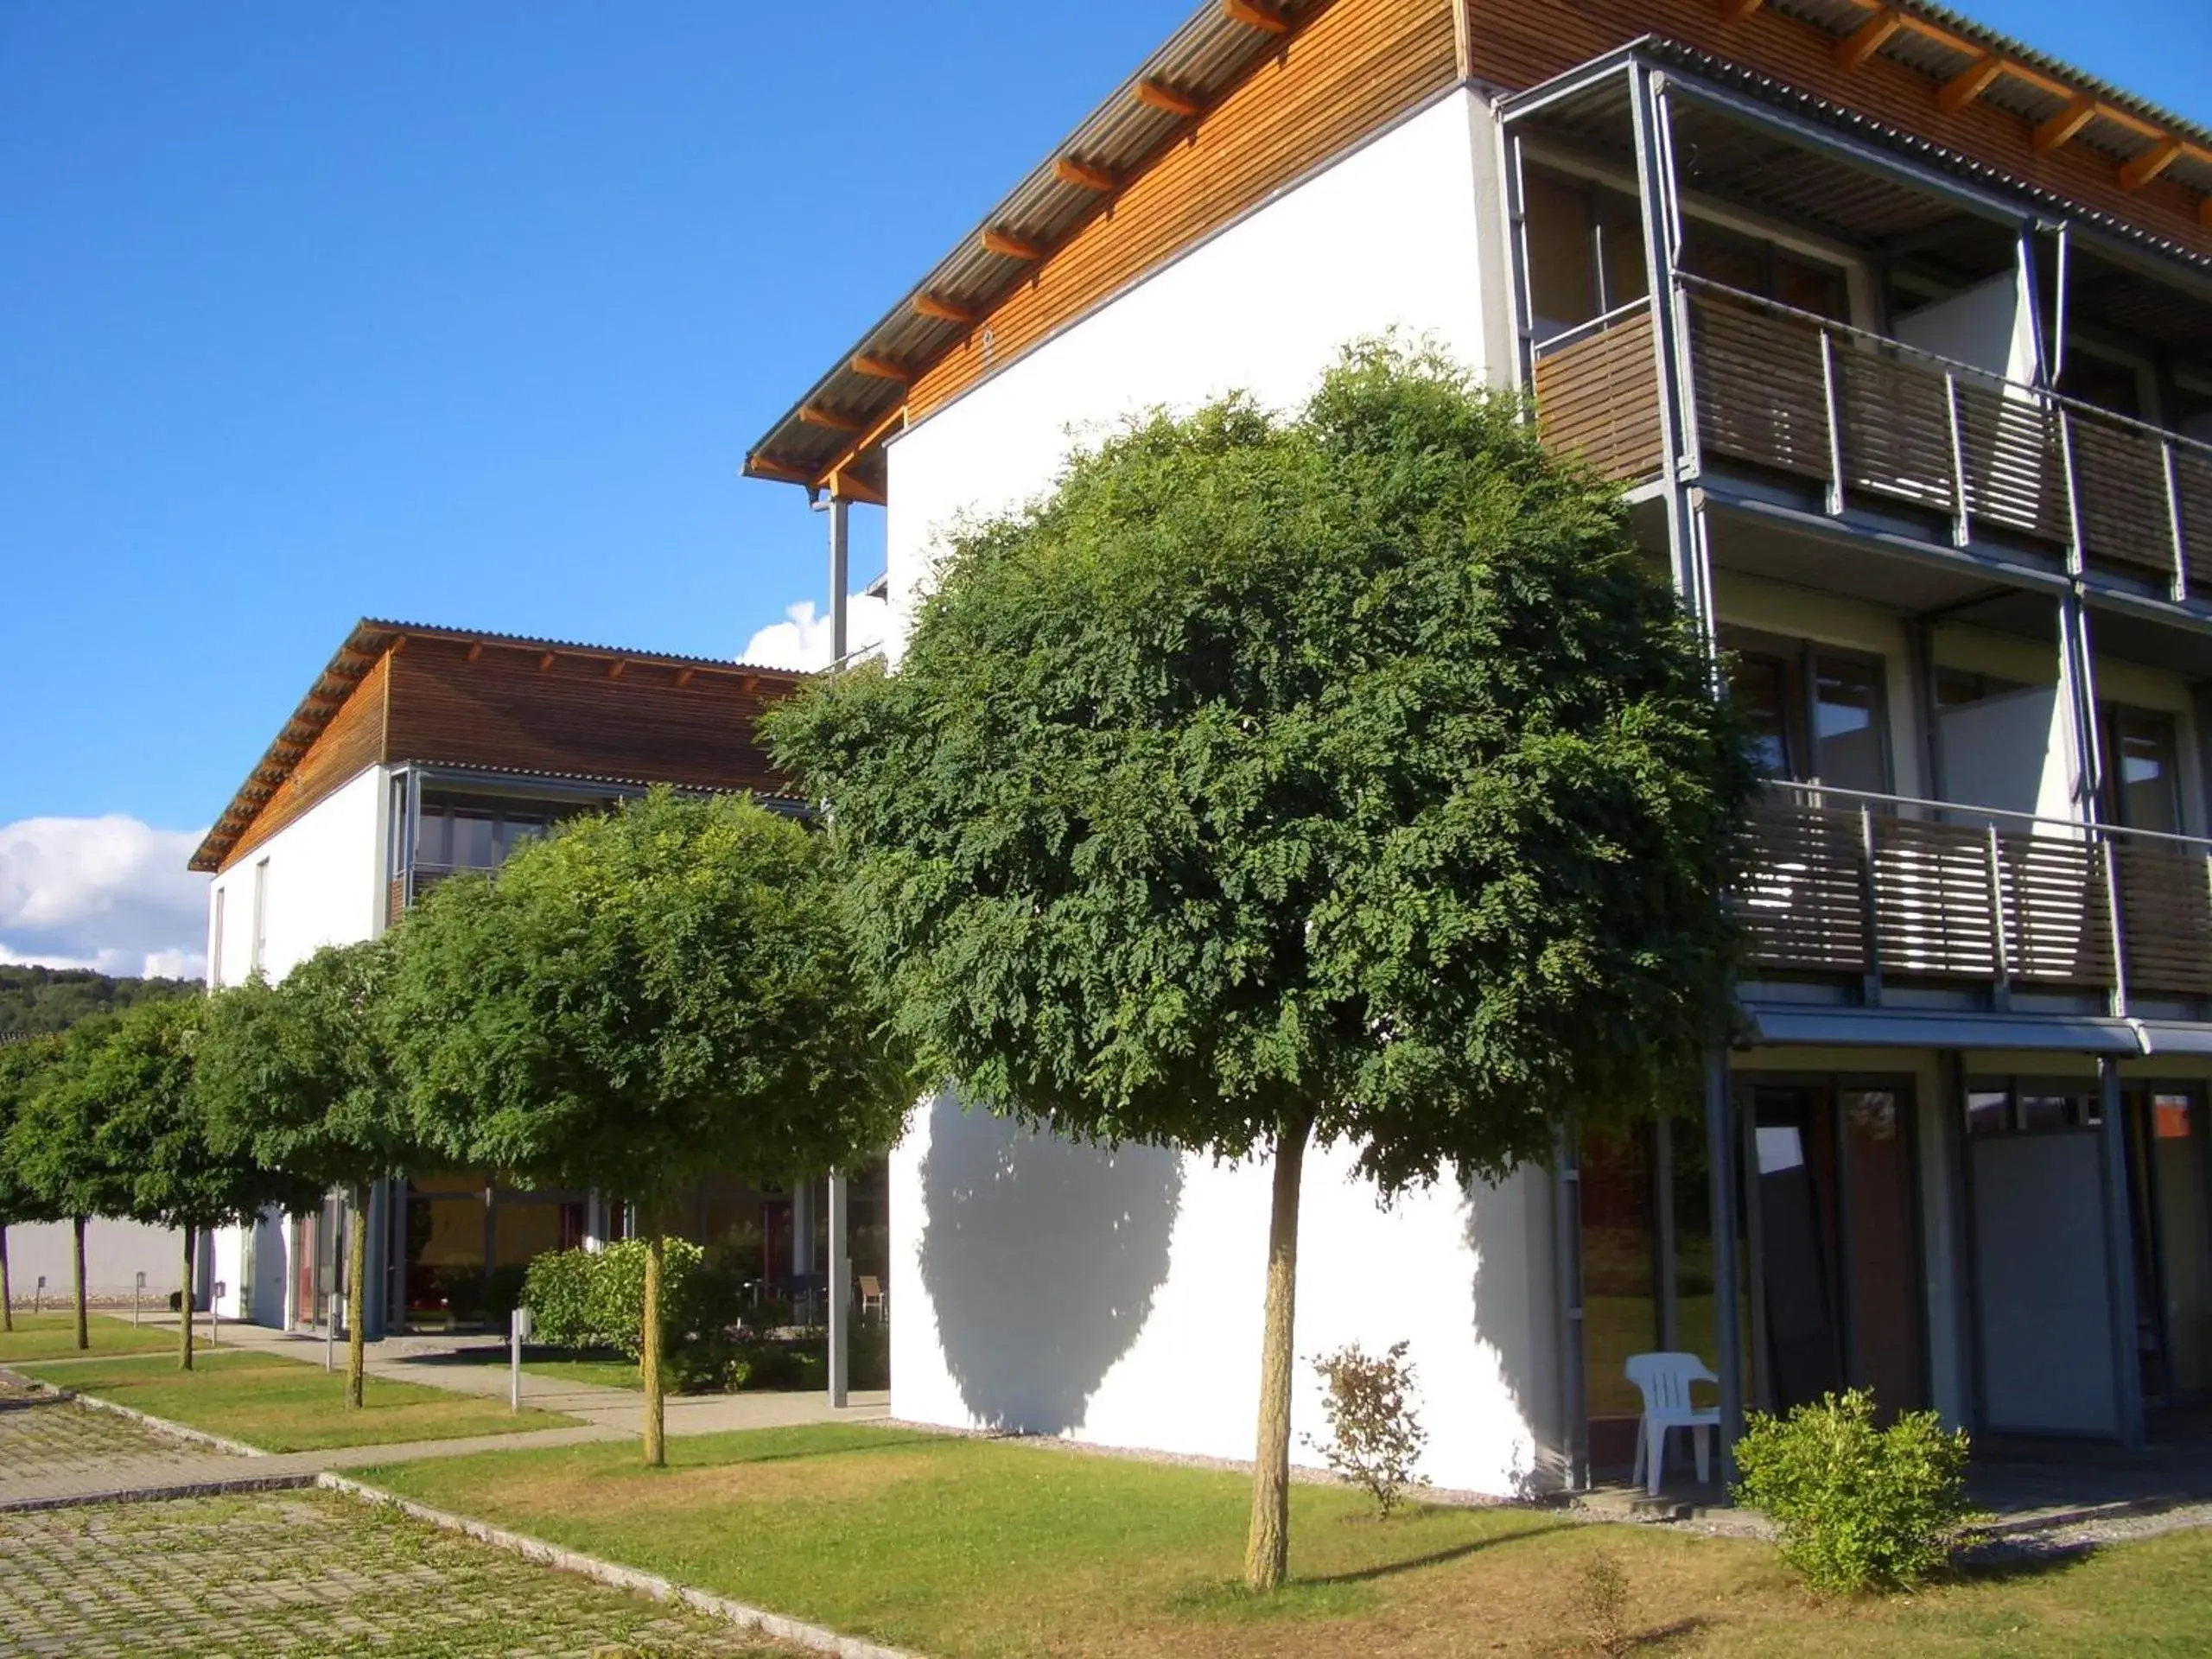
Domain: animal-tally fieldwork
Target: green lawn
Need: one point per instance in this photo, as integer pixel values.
(282, 1405)
(951, 1546)
(613, 1372)
(53, 1336)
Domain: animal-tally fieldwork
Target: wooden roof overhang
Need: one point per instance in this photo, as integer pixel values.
(832, 439)
(371, 641)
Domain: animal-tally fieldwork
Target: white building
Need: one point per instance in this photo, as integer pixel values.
(1909, 392)
(419, 751)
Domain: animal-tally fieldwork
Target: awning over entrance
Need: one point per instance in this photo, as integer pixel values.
(1901, 1028)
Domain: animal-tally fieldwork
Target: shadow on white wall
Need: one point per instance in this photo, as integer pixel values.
(1041, 1259)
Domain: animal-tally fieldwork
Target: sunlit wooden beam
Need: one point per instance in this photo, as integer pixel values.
(828, 419)
(782, 471)
(1256, 17)
(1865, 41)
(614, 669)
(843, 486)
(545, 661)
(882, 368)
(1167, 97)
(475, 650)
(1068, 171)
(2140, 170)
(2050, 133)
(928, 305)
(1012, 247)
(684, 675)
(1734, 11)
(1969, 84)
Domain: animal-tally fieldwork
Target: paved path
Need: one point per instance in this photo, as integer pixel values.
(56, 1452)
(310, 1574)
(447, 1363)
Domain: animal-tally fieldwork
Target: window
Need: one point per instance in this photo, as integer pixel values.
(259, 954)
(215, 945)
(1820, 707)
(2104, 381)
(2031, 1106)
(1761, 268)
(1585, 250)
(2142, 768)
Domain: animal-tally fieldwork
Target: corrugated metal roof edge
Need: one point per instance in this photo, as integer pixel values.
(1210, 12)
(1209, 15)
(217, 843)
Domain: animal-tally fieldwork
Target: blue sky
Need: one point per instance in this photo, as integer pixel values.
(465, 313)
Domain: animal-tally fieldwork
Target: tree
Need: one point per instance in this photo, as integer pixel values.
(155, 1129)
(1346, 777)
(641, 1000)
(58, 1148)
(297, 1077)
(22, 1067)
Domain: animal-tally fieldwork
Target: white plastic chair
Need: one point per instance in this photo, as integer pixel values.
(1665, 1381)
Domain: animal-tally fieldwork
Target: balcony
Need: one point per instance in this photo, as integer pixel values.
(1887, 891)
(1874, 423)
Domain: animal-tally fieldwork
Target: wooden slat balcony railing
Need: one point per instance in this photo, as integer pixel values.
(1878, 887)
(1876, 420)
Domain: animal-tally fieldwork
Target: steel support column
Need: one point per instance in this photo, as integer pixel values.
(1661, 240)
(1727, 1331)
(1567, 1252)
(840, 1301)
(2120, 1258)
(840, 540)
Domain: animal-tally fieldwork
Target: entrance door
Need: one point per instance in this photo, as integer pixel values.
(2166, 1145)
(1837, 1255)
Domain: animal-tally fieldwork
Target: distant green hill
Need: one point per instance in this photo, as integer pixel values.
(54, 999)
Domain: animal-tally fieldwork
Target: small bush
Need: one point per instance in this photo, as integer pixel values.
(1375, 1435)
(596, 1299)
(1858, 1507)
(1601, 1604)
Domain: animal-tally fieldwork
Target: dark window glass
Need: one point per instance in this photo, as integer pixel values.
(1762, 686)
(472, 840)
(1585, 250)
(1760, 268)
(2143, 766)
(1847, 738)
(432, 837)
(2101, 381)
(1989, 1111)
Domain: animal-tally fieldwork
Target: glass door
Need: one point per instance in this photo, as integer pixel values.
(2168, 1223)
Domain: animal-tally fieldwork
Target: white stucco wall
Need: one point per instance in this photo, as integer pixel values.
(326, 886)
(1388, 238)
(325, 883)
(1117, 1299)
(115, 1252)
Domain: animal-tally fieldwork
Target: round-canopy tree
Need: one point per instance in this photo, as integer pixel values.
(1346, 776)
(154, 1131)
(639, 1000)
(22, 1066)
(58, 1148)
(296, 1076)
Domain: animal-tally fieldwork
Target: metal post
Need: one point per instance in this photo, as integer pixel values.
(1835, 422)
(38, 1293)
(1961, 522)
(137, 1294)
(2001, 993)
(1663, 1215)
(1870, 907)
(840, 1312)
(215, 1313)
(330, 1332)
(839, 540)
(1567, 1249)
(2076, 557)
(2120, 1258)
(518, 1328)
(1727, 1330)
(1655, 191)
(2174, 522)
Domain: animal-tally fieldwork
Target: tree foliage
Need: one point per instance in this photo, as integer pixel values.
(34, 999)
(642, 999)
(1349, 774)
(154, 1130)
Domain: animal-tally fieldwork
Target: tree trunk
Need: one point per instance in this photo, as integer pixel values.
(1267, 1547)
(77, 1264)
(184, 1304)
(649, 1352)
(7, 1292)
(357, 1261)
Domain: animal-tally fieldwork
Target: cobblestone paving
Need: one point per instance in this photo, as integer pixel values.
(44, 1439)
(311, 1572)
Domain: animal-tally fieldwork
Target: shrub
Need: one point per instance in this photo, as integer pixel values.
(1858, 1507)
(1375, 1435)
(1601, 1604)
(596, 1299)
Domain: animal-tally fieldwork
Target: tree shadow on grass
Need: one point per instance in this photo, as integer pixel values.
(1433, 1558)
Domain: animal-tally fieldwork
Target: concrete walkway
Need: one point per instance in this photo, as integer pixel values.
(452, 1363)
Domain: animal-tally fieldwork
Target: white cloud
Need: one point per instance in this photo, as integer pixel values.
(110, 893)
(802, 642)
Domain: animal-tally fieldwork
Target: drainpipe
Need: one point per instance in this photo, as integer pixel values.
(1567, 1254)
(2120, 1258)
